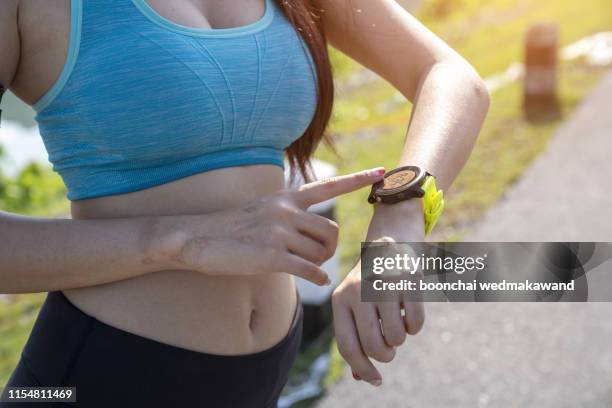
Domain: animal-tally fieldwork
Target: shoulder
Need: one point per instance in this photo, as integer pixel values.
(9, 40)
(33, 34)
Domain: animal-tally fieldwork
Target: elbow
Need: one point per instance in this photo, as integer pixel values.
(481, 94)
(461, 75)
(476, 88)
(477, 98)
(472, 92)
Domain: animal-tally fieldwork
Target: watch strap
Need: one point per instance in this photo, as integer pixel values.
(433, 203)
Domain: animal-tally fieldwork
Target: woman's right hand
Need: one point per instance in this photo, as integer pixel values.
(275, 233)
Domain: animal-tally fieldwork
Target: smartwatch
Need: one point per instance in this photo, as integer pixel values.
(405, 183)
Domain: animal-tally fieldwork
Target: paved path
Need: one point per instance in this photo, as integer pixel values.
(519, 355)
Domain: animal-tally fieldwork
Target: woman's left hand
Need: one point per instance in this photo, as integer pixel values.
(367, 331)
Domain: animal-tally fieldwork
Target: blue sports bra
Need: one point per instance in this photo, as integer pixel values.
(142, 100)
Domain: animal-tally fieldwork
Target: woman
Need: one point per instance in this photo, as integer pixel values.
(172, 283)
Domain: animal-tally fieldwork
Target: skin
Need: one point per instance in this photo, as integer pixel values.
(213, 271)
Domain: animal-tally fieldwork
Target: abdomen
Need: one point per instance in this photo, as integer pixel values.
(219, 315)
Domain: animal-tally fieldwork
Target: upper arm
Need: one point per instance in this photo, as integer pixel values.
(383, 36)
(9, 41)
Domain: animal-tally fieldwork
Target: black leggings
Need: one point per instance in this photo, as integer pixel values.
(113, 368)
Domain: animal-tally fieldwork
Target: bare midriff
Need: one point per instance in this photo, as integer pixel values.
(214, 314)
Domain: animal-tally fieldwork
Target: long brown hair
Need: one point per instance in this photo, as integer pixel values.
(306, 18)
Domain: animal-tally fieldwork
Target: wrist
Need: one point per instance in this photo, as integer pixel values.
(404, 210)
(163, 238)
(403, 221)
(181, 242)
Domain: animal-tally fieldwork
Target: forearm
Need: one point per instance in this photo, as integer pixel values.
(52, 254)
(449, 108)
(273, 234)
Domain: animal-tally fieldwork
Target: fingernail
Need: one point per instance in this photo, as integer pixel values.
(356, 377)
(327, 282)
(376, 383)
(378, 171)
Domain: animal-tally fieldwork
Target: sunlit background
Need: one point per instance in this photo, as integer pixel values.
(491, 34)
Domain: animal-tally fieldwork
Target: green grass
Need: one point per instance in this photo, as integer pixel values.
(17, 315)
(489, 33)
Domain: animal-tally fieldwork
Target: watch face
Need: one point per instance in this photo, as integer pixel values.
(399, 179)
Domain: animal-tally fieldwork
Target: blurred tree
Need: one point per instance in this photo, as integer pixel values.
(35, 190)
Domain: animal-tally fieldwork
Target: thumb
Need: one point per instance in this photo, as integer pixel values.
(323, 190)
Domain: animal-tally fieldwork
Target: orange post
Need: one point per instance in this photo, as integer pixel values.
(540, 100)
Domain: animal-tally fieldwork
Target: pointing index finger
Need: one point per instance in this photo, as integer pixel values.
(323, 190)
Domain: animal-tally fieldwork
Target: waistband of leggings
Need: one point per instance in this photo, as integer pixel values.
(66, 311)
